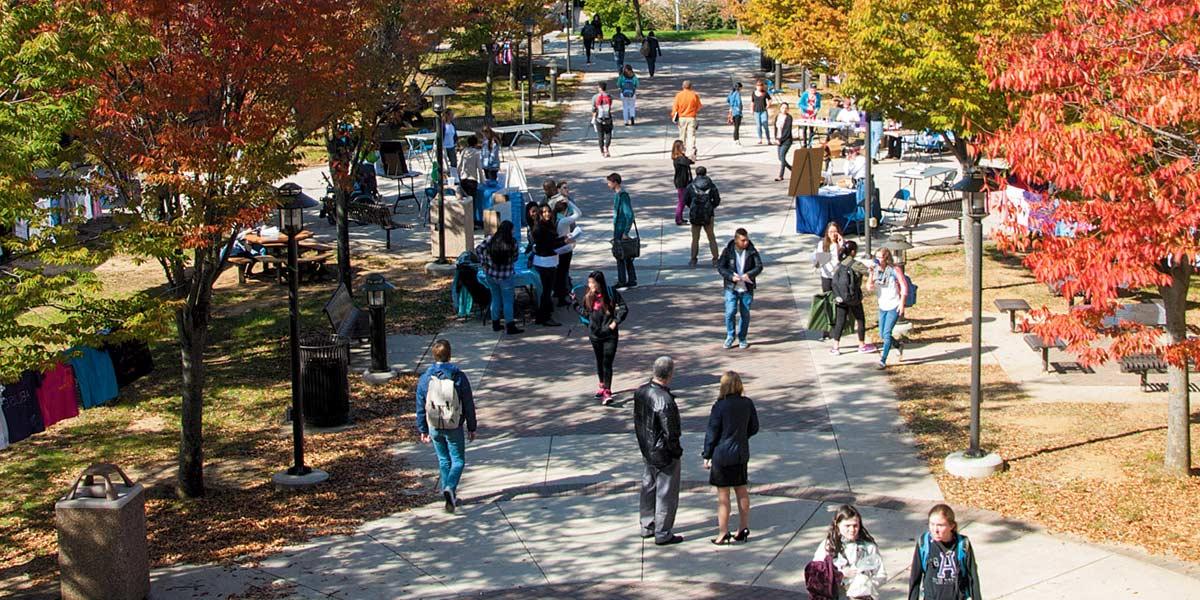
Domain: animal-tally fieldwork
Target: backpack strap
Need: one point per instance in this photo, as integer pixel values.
(924, 550)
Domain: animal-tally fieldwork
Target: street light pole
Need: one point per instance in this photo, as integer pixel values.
(567, 14)
(529, 57)
(439, 93)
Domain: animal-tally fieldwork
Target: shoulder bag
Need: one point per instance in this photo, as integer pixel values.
(626, 248)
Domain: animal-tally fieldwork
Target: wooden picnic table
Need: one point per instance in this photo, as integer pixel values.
(280, 241)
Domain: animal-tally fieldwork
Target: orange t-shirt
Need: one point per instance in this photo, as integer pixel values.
(687, 104)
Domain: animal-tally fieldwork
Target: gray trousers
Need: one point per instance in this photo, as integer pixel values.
(660, 500)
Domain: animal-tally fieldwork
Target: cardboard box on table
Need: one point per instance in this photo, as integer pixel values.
(460, 225)
(806, 172)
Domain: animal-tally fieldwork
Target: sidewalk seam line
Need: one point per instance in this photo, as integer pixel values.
(292, 581)
(787, 543)
(1041, 581)
(522, 541)
(407, 560)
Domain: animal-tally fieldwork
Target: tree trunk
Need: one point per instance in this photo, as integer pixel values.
(342, 216)
(487, 90)
(191, 323)
(738, 24)
(637, 17)
(1178, 457)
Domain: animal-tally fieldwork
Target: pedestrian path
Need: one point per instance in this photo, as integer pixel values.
(549, 494)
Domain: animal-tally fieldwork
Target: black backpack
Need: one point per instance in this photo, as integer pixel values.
(702, 205)
(847, 286)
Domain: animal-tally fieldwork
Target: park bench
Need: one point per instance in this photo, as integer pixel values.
(1035, 343)
(1012, 306)
(1056, 288)
(929, 212)
(369, 213)
(243, 264)
(347, 320)
(1142, 364)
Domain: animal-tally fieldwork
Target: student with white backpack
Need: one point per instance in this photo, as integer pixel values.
(444, 405)
(602, 118)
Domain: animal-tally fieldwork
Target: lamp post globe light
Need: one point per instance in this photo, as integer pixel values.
(291, 204)
(899, 246)
(974, 462)
(439, 94)
(377, 288)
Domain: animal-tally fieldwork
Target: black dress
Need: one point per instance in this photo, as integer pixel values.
(731, 423)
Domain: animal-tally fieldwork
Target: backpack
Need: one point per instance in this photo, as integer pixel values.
(822, 579)
(911, 297)
(702, 204)
(603, 106)
(847, 286)
(645, 49)
(960, 547)
(628, 87)
(443, 408)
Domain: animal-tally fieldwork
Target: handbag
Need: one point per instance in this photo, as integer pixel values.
(628, 248)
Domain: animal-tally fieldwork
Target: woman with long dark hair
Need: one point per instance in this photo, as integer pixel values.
(498, 254)
(604, 310)
(683, 177)
(854, 553)
(731, 424)
(547, 245)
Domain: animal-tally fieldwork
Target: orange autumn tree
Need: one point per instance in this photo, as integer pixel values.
(1105, 111)
(193, 136)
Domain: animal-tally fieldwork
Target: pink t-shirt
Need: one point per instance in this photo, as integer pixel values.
(58, 398)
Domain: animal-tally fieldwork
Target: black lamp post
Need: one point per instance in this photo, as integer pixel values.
(292, 202)
(377, 288)
(567, 14)
(439, 93)
(528, 22)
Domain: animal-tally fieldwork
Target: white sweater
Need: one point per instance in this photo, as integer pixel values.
(826, 262)
(867, 581)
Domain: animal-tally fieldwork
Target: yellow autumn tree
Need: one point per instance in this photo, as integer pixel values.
(800, 32)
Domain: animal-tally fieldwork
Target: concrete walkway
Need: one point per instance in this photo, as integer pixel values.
(550, 506)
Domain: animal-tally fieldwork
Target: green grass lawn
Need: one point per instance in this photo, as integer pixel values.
(696, 35)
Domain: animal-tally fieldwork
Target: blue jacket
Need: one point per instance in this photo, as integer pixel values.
(735, 102)
(622, 214)
(461, 384)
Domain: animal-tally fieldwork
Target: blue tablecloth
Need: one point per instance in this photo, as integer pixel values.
(813, 213)
(523, 277)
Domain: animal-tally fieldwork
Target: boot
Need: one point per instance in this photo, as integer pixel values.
(512, 328)
(496, 325)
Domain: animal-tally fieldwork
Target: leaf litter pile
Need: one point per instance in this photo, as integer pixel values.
(1089, 469)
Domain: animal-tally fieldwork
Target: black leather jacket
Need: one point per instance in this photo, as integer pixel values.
(727, 265)
(656, 422)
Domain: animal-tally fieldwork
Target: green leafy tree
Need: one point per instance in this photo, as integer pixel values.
(49, 300)
(800, 32)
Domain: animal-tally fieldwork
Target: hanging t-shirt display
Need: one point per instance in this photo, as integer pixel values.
(131, 360)
(94, 372)
(57, 396)
(21, 412)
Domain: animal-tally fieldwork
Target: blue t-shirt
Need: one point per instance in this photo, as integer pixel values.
(21, 412)
(96, 377)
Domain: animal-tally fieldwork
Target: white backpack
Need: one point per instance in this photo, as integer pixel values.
(443, 409)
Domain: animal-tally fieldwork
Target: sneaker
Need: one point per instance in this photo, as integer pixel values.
(599, 392)
(835, 351)
(743, 344)
(728, 344)
(632, 284)
(606, 396)
(866, 348)
(881, 366)
(451, 501)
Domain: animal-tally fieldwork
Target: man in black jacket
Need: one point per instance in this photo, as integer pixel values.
(619, 42)
(702, 199)
(656, 423)
(739, 265)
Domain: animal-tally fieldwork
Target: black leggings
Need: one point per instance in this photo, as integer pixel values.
(605, 133)
(587, 47)
(606, 351)
(650, 66)
(737, 127)
(562, 276)
(860, 320)
(545, 309)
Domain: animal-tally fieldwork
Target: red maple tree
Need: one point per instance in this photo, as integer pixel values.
(1104, 110)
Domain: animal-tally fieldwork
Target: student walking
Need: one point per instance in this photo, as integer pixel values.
(683, 177)
(547, 245)
(683, 112)
(619, 42)
(783, 133)
(604, 310)
(702, 198)
(627, 82)
(810, 103)
(589, 39)
(943, 564)
(602, 117)
(760, 101)
(623, 221)
(825, 259)
(855, 554)
(739, 265)
(567, 214)
(651, 51)
(734, 100)
(444, 405)
(489, 153)
(498, 254)
(847, 298)
(657, 426)
(731, 423)
(888, 281)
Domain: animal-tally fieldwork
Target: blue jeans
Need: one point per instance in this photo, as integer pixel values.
(763, 128)
(737, 303)
(451, 448)
(502, 295)
(887, 322)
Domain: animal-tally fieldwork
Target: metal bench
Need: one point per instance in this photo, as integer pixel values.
(1012, 306)
(1056, 288)
(376, 214)
(1142, 364)
(1035, 343)
(347, 319)
(929, 212)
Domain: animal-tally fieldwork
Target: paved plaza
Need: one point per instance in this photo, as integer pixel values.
(550, 502)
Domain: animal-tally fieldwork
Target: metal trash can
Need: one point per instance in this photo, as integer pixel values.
(324, 379)
(102, 538)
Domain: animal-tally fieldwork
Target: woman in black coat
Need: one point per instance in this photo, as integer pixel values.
(683, 177)
(547, 245)
(727, 453)
(604, 310)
